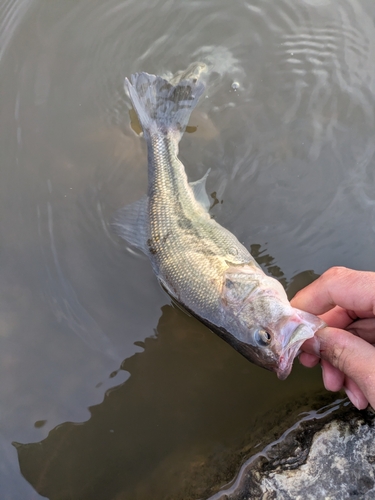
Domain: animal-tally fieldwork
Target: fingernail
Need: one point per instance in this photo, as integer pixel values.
(353, 398)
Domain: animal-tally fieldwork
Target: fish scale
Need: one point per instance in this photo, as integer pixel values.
(179, 227)
(201, 264)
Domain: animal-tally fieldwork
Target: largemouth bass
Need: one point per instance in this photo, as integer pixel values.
(200, 263)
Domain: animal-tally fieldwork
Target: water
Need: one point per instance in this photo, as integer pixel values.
(123, 394)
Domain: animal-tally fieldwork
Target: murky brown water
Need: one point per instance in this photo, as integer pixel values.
(124, 395)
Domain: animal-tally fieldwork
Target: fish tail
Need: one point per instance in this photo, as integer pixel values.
(163, 107)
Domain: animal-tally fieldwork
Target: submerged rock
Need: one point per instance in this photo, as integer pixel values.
(329, 456)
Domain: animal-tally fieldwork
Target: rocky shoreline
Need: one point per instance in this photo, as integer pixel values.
(328, 454)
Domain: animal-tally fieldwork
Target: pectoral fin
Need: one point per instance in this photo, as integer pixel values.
(131, 223)
(199, 190)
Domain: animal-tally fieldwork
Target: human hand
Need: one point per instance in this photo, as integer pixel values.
(345, 300)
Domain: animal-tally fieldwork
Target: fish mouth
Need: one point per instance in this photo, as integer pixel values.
(287, 357)
(307, 325)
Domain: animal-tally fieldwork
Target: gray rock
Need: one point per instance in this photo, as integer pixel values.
(327, 456)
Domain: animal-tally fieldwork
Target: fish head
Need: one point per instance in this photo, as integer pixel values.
(260, 322)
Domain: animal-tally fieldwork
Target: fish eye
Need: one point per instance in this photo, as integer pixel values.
(262, 337)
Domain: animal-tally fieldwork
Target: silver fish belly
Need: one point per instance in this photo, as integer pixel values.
(201, 264)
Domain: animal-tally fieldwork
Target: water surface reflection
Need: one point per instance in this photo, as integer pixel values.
(170, 431)
(287, 129)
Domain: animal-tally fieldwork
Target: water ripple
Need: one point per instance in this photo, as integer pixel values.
(11, 14)
(323, 53)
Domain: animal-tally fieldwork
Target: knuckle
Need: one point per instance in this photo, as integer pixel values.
(340, 357)
(335, 272)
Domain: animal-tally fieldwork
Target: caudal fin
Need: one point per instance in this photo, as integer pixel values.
(161, 106)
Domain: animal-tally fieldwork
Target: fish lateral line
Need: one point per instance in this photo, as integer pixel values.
(200, 264)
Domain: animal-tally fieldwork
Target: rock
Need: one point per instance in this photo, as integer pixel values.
(328, 457)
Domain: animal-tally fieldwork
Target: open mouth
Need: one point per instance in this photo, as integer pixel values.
(291, 350)
(286, 360)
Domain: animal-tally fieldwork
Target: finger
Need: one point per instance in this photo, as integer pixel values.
(364, 328)
(333, 378)
(308, 360)
(338, 317)
(355, 394)
(312, 346)
(352, 290)
(351, 355)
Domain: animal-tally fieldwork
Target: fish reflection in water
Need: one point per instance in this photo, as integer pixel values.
(198, 262)
(119, 453)
(184, 451)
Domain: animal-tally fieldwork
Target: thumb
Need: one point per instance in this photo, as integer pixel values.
(350, 354)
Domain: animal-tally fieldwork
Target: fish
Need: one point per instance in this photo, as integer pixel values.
(200, 264)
